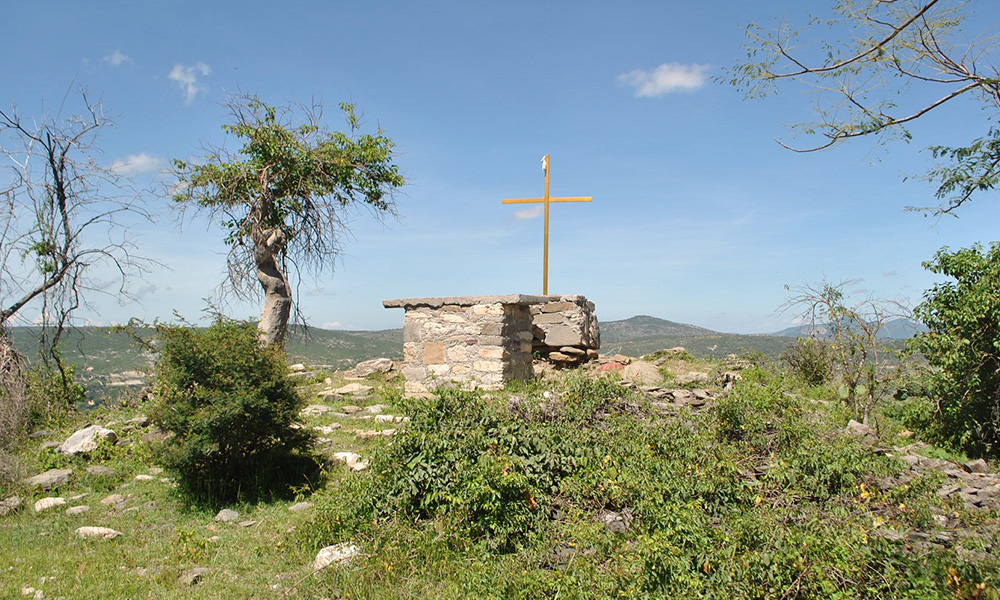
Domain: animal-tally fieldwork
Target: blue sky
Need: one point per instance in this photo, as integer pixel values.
(698, 215)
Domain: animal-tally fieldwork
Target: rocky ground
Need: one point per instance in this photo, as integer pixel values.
(347, 410)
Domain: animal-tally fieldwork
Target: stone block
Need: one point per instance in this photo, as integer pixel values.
(491, 329)
(491, 352)
(487, 366)
(433, 353)
(553, 307)
(438, 370)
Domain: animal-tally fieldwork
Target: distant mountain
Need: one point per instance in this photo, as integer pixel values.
(644, 334)
(896, 329)
(645, 326)
(110, 363)
(108, 359)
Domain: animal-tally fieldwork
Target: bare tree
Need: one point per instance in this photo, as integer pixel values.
(283, 198)
(853, 334)
(878, 65)
(63, 214)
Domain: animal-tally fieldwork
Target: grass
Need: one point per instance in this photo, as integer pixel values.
(759, 496)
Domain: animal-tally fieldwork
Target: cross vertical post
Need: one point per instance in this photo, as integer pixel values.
(546, 199)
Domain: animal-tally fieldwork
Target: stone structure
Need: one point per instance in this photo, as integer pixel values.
(565, 329)
(483, 341)
(486, 341)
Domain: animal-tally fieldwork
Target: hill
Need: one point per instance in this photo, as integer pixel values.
(106, 357)
(644, 334)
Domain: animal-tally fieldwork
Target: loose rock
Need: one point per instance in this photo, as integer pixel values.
(352, 460)
(47, 503)
(315, 410)
(112, 499)
(642, 373)
(353, 388)
(100, 471)
(976, 466)
(856, 429)
(103, 533)
(9, 505)
(339, 554)
(51, 479)
(193, 576)
(85, 440)
(375, 365)
(226, 515)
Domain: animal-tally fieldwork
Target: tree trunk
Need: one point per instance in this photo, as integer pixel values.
(277, 293)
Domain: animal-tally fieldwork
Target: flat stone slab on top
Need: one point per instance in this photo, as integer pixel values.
(466, 301)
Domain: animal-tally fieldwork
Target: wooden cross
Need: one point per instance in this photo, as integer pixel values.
(546, 200)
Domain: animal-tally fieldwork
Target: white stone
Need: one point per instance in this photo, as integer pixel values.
(47, 503)
(77, 510)
(103, 533)
(86, 439)
(375, 365)
(314, 410)
(339, 554)
(352, 460)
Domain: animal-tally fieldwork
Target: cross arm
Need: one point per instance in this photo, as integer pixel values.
(551, 199)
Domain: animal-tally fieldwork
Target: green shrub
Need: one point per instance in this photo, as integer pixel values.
(232, 410)
(809, 359)
(53, 394)
(962, 348)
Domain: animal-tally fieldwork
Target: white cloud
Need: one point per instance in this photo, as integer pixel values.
(117, 59)
(331, 325)
(529, 213)
(134, 164)
(665, 79)
(187, 79)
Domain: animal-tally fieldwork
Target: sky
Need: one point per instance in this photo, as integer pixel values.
(698, 215)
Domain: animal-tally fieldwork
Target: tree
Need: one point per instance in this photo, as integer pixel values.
(876, 50)
(283, 197)
(63, 215)
(962, 347)
(852, 331)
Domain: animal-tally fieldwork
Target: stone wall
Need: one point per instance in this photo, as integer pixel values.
(565, 329)
(480, 341)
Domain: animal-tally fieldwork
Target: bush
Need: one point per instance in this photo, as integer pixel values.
(232, 410)
(53, 394)
(809, 359)
(962, 348)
